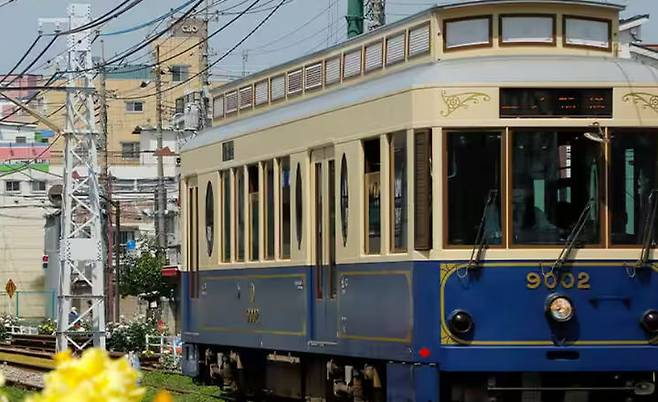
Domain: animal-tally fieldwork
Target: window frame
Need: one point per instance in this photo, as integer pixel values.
(565, 44)
(445, 23)
(12, 191)
(132, 155)
(407, 41)
(502, 43)
(365, 206)
(45, 186)
(609, 169)
(180, 68)
(133, 103)
(391, 191)
(502, 191)
(511, 132)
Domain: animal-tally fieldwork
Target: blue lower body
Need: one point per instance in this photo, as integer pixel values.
(399, 313)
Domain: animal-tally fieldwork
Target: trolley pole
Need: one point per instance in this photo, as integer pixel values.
(161, 197)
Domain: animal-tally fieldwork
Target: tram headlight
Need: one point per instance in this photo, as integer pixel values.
(559, 308)
(460, 322)
(650, 321)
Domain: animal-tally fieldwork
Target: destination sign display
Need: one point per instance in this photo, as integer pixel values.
(555, 102)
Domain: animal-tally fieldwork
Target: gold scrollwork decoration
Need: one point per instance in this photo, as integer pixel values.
(644, 99)
(461, 100)
(253, 315)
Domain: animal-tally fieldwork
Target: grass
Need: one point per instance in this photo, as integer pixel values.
(153, 381)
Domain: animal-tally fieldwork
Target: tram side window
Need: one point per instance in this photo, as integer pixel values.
(269, 209)
(226, 215)
(239, 213)
(398, 144)
(253, 212)
(555, 180)
(284, 202)
(473, 181)
(423, 190)
(373, 197)
(634, 170)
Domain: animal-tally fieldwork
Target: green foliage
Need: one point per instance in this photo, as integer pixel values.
(6, 321)
(141, 276)
(47, 327)
(130, 336)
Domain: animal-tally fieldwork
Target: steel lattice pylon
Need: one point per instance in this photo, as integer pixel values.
(81, 253)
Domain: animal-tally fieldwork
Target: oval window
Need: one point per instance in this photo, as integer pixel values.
(298, 204)
(344, 199)
(210, 218)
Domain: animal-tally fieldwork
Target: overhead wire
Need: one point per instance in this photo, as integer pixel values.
(207, 68)
(22, 59)
(200, 42)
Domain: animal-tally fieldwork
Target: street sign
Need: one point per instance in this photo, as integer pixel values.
(10, 287)
(131, 245)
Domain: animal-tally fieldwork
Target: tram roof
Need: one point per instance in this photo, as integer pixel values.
(475, 71)
(443, 4)
(439, 5)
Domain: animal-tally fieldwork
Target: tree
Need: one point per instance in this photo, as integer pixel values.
(141, 276)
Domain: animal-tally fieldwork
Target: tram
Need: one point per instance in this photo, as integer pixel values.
(459, 206)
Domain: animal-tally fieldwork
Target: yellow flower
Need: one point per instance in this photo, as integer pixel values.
(163, 396)
(94, 377)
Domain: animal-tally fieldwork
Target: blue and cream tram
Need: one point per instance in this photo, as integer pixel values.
(460, 206)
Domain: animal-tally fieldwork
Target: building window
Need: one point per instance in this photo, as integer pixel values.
(634, 161)
(344, 199)
(12, 186)
(21, 139)
(254, 217)
(125, 236)
(474, 184)
(38, 186)
(179, 73)
(226, 215)
(398, 144)
(210, 218)
(135, 106)
(587, 32)
(180, 105)
(467, 32)
(284, 202)
(555, 181)
(372, 205)
(239, 213)
(130, 150)
(299, 205)
(535, 29)
(269, 209)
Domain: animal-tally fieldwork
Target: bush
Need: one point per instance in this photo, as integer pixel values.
(47, 327)
(130, 336)
(6, 321)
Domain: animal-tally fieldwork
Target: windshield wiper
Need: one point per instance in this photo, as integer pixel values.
(648, 229)
(481, 235)
(570, 243)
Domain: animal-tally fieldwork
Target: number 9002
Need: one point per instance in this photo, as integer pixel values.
(566, 280)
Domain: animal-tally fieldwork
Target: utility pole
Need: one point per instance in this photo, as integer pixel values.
(104, 146)
(160, 194)
(81, 255)
(204, 77)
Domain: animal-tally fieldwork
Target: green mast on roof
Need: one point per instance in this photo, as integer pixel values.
(354, 18)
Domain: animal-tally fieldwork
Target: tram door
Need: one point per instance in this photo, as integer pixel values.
(323, 167)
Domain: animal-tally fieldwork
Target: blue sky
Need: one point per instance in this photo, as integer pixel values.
(287, 35)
